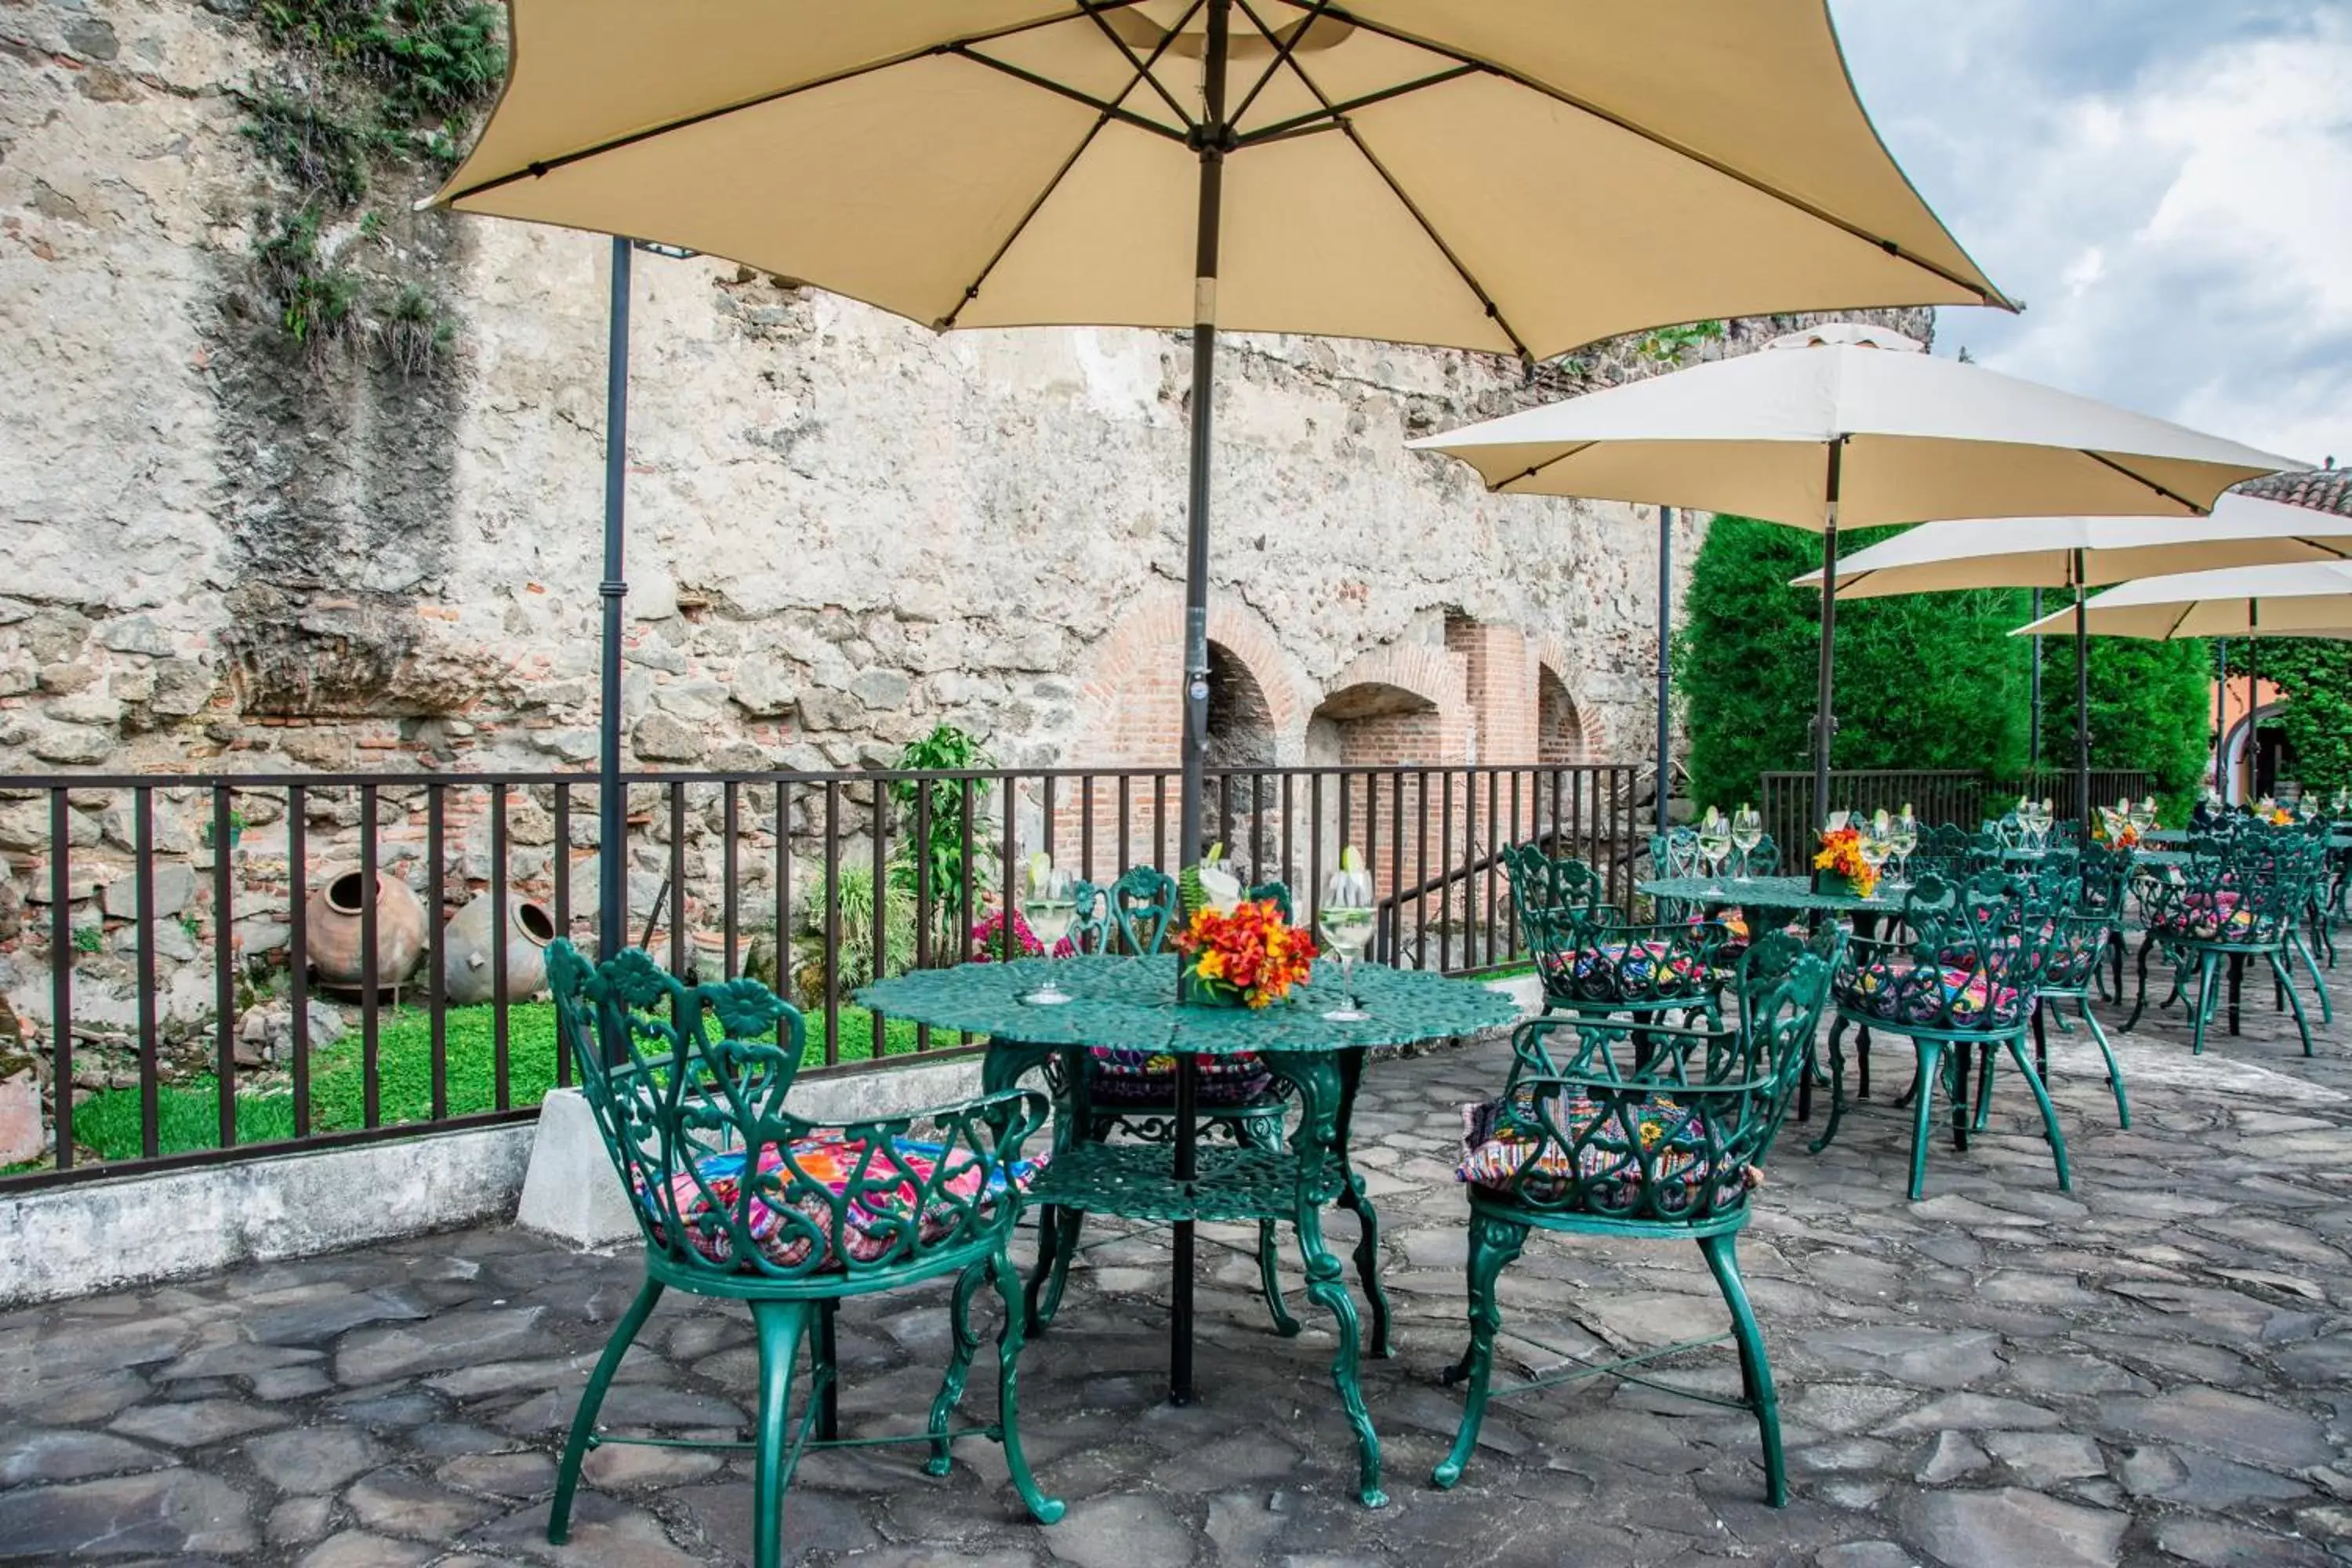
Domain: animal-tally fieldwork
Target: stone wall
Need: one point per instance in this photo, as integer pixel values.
(844, 529)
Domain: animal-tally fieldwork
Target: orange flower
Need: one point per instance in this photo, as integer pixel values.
(1246, 951)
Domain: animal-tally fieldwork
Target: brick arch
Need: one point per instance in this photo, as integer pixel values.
(1129, 707)
(1433, 722)
(1558, 681)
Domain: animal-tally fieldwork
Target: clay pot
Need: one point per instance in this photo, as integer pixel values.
(332, 914)
(469, 958)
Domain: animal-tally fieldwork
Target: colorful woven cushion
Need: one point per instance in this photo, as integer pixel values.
(887, 1186)
(1603, 1164)
(2073, 958)
(2206, 917)
(1149, 1078)
(1613, 970)
(1934, 995)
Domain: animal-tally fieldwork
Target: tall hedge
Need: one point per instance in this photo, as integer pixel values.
(2151, 707)
(2317, 676)
(1930, 680)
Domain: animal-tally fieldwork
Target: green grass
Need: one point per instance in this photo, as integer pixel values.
(188, 1115)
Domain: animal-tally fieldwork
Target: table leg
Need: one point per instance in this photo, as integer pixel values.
(1354, 1197)
(1325, 1101)
(1179, 1315)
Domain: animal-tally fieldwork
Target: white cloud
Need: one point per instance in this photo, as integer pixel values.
(2167, 183)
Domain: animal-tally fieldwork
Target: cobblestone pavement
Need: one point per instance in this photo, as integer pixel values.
(2149, 1371)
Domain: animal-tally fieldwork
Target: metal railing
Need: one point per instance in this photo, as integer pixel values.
(1934, 796)
(160, 936)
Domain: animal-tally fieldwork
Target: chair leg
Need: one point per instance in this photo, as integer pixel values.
(591, 1399)
(826, 1370)
(781, 1326)
(1984, 1087)
(1009, 1340)
(1837, 1085)
(1053, 1277)
(2147, 945)
(2209, 967)
(1269, 1239)
(1493, 1244)
(1930, 1051)
(2301, 1025)
(2049, 1114)
(2318, 982)
(964, 1343)
(2115, 1072)
(2040, 1042)
(1754, 1370)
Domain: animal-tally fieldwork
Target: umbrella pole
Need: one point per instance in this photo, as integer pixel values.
(1665, 656)
(1824, 715)
(612, 813)
(2082, 700)
(1213, 138)
(2253, 702)
(2033, 697)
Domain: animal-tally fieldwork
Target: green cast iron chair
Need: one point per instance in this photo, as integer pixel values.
(1961, 977)
(2238, 898)
(1585, 1144)
(1134, 1092)
(2076, 955)
(741, 1200)
(1596, 962)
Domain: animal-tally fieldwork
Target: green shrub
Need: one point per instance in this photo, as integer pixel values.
(2151, 707)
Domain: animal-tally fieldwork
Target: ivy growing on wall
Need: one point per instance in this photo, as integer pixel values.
(2317, 676)
(366, 93)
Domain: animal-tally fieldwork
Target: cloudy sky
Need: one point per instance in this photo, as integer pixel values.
(2165, 183)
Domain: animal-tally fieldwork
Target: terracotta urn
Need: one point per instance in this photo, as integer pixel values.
(468, 953)
(332, 916)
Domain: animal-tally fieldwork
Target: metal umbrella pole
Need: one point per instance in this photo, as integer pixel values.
(1665, 656)
(2081, 699)
(1213, 139)
(612, 809)
(2222, 718)
(1824, 715)
(2033, 695)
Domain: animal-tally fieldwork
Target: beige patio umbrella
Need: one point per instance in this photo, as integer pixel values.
(1853, 425)
(2077, 553)
(2299, 599)
(1516, 176)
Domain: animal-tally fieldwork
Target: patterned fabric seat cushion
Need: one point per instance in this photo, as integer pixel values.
(2206, 917)
(889, 1186)
(1149, 1078)
(1614, 970)
(1610, 1143)
(2073, 958)
(1935, 996)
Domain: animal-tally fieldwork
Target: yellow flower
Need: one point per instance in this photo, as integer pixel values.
(1210, 967)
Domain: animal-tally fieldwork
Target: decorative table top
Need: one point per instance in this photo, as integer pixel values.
(2180, 838)
(1131, 1002)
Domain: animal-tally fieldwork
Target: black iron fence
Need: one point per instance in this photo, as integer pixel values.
(1934, 796)
(200, 967)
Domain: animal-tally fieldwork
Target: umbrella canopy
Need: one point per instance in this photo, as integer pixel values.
(1855, 425)
(1517, 177)
(999, 163)
(2312, 599)
(2062, 552)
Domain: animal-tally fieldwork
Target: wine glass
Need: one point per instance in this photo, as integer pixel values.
(1902, 838)
(1049, 904)
(1874, 844)
(2141, 815)
(1344, 922)
(1747, 833)
(1714, 844)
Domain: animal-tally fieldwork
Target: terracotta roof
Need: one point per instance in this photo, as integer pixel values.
(2322, 489)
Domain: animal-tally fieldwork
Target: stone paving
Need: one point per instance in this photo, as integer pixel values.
(2153, 1370)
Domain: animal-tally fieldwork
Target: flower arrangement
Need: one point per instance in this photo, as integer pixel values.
(1244, 955)
(1841, 856)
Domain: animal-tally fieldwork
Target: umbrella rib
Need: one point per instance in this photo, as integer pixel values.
(1992, 296)
(1469, 278)
(1107, 110)
(538, 167)
(1281, 52)
(2186, 611)
(1142, 70)
(1282, 129)
(2143, 478)
(1539, 467)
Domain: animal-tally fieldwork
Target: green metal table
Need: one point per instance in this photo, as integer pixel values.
(1794, 894)
(2181, 836)
(1129, 1004)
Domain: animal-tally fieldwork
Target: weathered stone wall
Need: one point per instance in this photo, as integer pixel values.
(222, 551)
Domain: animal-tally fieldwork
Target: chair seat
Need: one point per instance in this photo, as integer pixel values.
(1604, 1164)
(1123, 1078)
(1610, 970)
(2206, 917)
(1935, 996)
(888, 1186)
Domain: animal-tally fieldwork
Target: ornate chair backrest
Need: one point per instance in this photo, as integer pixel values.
(722, 1179)
(1279, 892)
(1951, 852)
(1143, 910)
(1674, 853)
(1677, 1140)
(1554, 895)
(1977, 948)
(1090, 916)
(1764, 860)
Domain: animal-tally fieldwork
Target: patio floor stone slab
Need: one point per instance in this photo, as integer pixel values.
(2150, 1370)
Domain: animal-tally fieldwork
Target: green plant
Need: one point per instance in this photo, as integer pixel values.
(191, 927)
(414, 332)
(427, 57)
(2151, 707)
(2316, 676)
(1668, 344)
(236, 828)
(324, 154)
(848, 963)
(89, 938)
(1930, 681)
(314, 295)
(942, 851)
